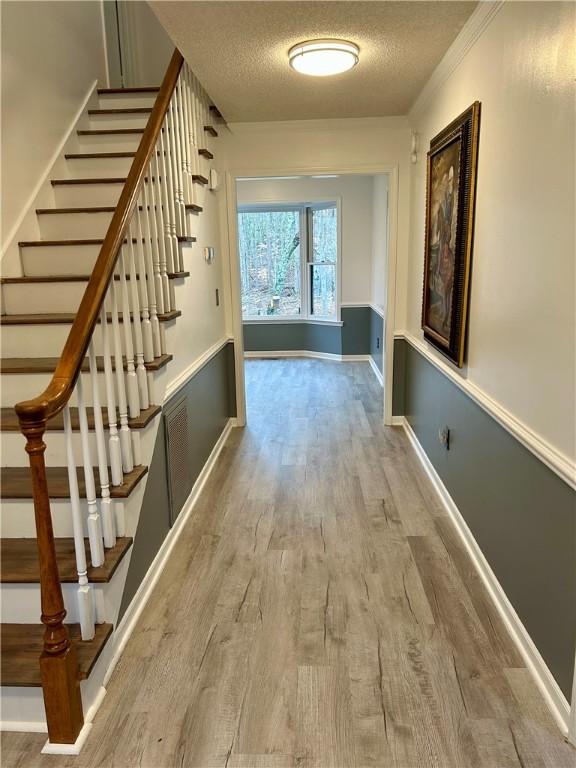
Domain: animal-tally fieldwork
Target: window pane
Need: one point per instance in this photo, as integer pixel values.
(323, 277)
(324, 235)
(269, 244)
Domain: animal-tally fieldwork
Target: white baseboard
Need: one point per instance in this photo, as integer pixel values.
(398, 421)
(23, 726)
(140, 599)
(555, 699)
(75, 749)
(266, 355)
(376, 370)
(129, 620)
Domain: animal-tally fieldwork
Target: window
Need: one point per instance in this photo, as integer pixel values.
(288, 261)
(323, 250)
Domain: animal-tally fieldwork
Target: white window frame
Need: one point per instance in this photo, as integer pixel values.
(305, 315)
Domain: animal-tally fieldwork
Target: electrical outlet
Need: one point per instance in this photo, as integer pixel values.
(444, 437)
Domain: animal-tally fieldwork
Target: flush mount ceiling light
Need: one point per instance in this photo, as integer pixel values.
(323, 57)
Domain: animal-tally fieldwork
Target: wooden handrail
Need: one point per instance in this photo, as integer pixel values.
(58, 663)
(60, 388)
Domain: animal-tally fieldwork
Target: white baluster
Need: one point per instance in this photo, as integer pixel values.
(193, 139)
(187, 130)
(108, 525)
(159, 348)
(94, 523)
(84, 592)
(180, 161)
(152, 228)
(125, 436)
(175, 167)
(129, 266)
(131, 378)
(168, 203)
(146, 283)
(160, 231)
(185, 146)
(114, 438)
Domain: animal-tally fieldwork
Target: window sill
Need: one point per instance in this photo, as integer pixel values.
(289, 321)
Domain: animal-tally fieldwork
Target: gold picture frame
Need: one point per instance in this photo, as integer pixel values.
(450, 200)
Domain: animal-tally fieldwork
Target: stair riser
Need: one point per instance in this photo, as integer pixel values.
(59, 260)
(99, 168)
(74, 195)
(44, 297)
(47, 340)
(98, 122)
(22, 386)
(109, 142)
(18, 514)
(72, 226)
(14, 455)
(126, 101)
(21, 602)
(18, 519)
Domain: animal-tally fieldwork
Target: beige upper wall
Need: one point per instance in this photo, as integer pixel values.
(51, 54)
(522, 344)
(365, 145)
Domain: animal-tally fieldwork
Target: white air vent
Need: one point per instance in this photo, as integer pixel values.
(177, 456)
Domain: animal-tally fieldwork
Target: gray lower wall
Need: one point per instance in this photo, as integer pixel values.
(211, 401)
(360, 334)
(522, 514)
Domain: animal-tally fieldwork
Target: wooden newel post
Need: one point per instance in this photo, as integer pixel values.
(58, 663)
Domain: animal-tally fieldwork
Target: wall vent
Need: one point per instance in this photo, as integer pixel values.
(177, 456)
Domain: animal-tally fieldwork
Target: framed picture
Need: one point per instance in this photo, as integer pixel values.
(450, 197)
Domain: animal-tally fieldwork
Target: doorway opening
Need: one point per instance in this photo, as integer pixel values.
(313, 268)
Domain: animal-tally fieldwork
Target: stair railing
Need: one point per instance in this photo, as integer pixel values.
(117, 330)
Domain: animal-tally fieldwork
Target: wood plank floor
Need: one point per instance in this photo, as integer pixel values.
(318, 611)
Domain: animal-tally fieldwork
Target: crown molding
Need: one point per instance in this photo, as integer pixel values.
(469, 34)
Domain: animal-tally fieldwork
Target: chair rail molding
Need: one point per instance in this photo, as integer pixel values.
(559, 463)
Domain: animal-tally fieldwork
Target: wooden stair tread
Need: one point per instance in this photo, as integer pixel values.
(178, 275)
(194, 208)
(10, 365)
(9, 420)
(211, 131)
(94, 241)
(140, 89)
(21, 646)
(74, 182)
(97, 155)
(109, 131)
(67, 318)
(16, 483)
(206, 153)
(32, 279)
(121, 111)
(199, 179)
(19, 564)
(85, 209)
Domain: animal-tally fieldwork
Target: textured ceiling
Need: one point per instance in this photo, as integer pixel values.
(239, 52)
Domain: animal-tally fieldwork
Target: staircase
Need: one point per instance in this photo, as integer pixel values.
(86, 333)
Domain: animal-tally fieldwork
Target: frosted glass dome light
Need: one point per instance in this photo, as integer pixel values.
(322, 58)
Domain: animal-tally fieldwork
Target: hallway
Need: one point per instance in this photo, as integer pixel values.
(318, 610)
